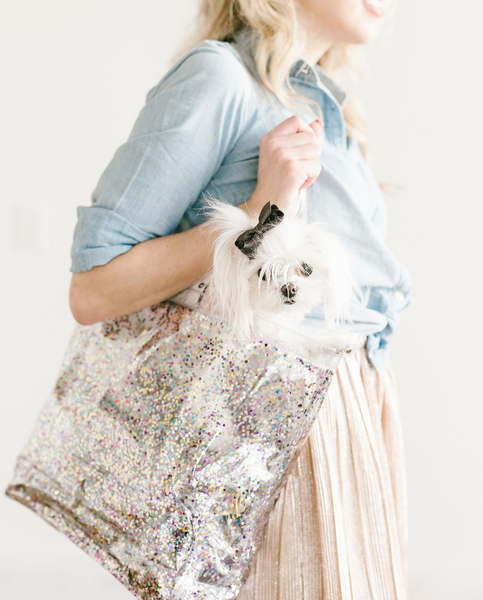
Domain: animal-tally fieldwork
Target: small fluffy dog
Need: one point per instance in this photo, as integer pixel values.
(278, 269)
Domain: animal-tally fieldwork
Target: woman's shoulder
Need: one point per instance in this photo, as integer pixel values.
(213, 66)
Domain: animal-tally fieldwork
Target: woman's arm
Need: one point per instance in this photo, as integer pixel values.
(150, 272)
(156, 269)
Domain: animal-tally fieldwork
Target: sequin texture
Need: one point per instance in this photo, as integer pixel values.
(164, 444)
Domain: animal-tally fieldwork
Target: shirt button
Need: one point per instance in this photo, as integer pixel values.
(398, 296)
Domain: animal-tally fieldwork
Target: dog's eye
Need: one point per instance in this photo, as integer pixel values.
(263, 277)
(306, 269)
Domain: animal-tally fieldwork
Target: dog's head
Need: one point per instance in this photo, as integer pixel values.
(295, 267)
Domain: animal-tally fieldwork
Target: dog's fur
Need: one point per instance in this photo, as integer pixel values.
(243, 289)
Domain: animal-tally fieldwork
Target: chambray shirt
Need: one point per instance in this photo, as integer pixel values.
(199, 135)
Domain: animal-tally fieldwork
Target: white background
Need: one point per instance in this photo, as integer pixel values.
(74, 76)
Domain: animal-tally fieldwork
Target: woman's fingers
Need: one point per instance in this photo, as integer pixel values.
(302, 152)
(290, 126)
(296, 139)
(288, 161)
(312, 169)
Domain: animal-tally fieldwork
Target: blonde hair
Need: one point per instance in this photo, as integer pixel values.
(279, 45)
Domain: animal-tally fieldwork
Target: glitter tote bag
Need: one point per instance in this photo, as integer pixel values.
(165, 442)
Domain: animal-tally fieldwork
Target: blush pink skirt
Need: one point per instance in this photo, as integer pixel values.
(338, 531)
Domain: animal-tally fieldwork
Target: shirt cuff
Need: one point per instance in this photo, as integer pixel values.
(100, 235)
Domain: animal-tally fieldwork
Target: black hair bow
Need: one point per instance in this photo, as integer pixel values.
(249, 240)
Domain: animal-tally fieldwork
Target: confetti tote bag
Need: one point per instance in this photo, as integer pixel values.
(164, 443)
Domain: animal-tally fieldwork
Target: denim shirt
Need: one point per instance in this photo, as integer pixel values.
(198, 135)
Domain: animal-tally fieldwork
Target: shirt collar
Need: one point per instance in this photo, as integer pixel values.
(246, 40)
(318, 76)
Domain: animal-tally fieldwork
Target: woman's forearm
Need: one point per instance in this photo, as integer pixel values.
(148, 273)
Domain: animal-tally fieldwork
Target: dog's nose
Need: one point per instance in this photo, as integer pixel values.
(289, 290)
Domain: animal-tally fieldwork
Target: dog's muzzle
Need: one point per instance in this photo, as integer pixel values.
(289, 291)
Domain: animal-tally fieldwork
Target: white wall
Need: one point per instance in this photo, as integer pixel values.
(74, 77)
(427, 122)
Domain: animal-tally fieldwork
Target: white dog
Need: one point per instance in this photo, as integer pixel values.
(278, 268)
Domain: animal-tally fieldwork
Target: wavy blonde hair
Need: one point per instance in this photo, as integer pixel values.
(279, 45)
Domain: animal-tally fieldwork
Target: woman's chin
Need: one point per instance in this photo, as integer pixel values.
(365, 33)
(366, 26)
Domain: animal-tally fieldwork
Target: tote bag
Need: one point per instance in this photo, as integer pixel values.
(165, 442)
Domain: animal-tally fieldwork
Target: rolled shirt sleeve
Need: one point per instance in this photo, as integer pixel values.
(190, 122)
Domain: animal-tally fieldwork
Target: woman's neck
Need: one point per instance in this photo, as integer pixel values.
(314, 50)
(316, 43)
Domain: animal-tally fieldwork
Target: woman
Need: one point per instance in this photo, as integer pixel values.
(223, 121)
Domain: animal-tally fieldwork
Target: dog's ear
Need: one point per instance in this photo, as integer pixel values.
(230, 272)
(340, 287)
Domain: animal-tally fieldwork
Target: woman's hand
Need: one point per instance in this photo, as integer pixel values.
(288, 163)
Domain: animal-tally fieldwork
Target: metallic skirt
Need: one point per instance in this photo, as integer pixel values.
(165, 443)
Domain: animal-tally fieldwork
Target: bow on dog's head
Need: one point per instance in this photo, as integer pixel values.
(276, 267)
(249, 241)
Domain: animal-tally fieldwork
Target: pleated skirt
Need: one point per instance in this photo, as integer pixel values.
(338, 530)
